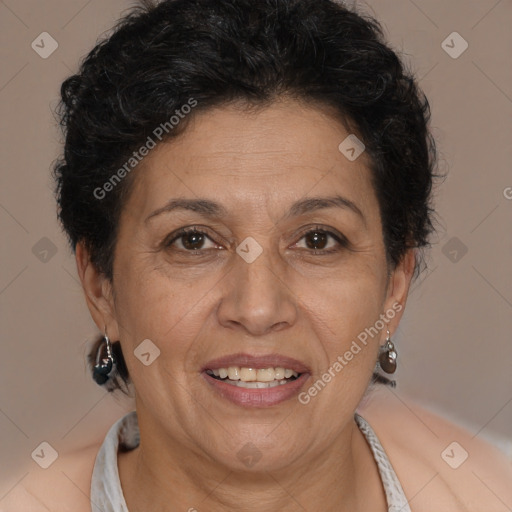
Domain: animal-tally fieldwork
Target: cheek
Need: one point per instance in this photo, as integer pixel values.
(344, 321)
(150, 306)
(154, 302)
(149, 293)
(354, 290)
(344, 309)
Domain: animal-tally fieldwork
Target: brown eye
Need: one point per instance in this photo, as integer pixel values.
(190, 240)
(316, 240)
(193, 240)
(321, 241)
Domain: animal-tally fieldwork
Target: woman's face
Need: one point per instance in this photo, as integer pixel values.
(255, 284)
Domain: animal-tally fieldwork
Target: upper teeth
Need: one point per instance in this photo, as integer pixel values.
(252, 374)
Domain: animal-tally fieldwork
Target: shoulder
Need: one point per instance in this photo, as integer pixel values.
(63, 487)
(440, 465)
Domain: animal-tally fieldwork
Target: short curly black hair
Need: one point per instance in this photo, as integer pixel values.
(160, 55)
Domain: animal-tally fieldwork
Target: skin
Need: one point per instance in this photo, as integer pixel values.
(412, 436)
(289, 300)
(313, 456)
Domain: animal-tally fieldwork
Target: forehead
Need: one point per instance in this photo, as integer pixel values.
(275, 154)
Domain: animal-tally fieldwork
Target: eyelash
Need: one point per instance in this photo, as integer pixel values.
(338, 237)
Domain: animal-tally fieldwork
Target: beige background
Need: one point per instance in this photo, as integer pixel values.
(455, 350)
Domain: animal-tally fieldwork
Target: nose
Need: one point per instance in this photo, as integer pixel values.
(256, 297)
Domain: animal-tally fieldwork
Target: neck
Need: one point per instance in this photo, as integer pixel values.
(167, 476)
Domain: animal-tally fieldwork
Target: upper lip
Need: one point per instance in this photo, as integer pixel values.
(256, 362)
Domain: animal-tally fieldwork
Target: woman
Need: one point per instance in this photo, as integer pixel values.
(247, 186)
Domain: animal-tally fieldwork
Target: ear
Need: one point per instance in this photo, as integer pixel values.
(398, 288)
(98, 293)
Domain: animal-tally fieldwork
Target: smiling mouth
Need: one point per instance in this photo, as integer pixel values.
(254, 378)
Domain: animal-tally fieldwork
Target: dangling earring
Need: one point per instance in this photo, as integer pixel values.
(387, 356)
(104, 361)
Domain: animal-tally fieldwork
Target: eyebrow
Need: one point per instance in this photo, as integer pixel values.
(212, 209)
(312, 204)
(203, 206)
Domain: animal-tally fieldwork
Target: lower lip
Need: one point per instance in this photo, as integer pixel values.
(256, 397)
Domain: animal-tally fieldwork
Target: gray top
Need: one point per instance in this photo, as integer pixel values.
(107, 495)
